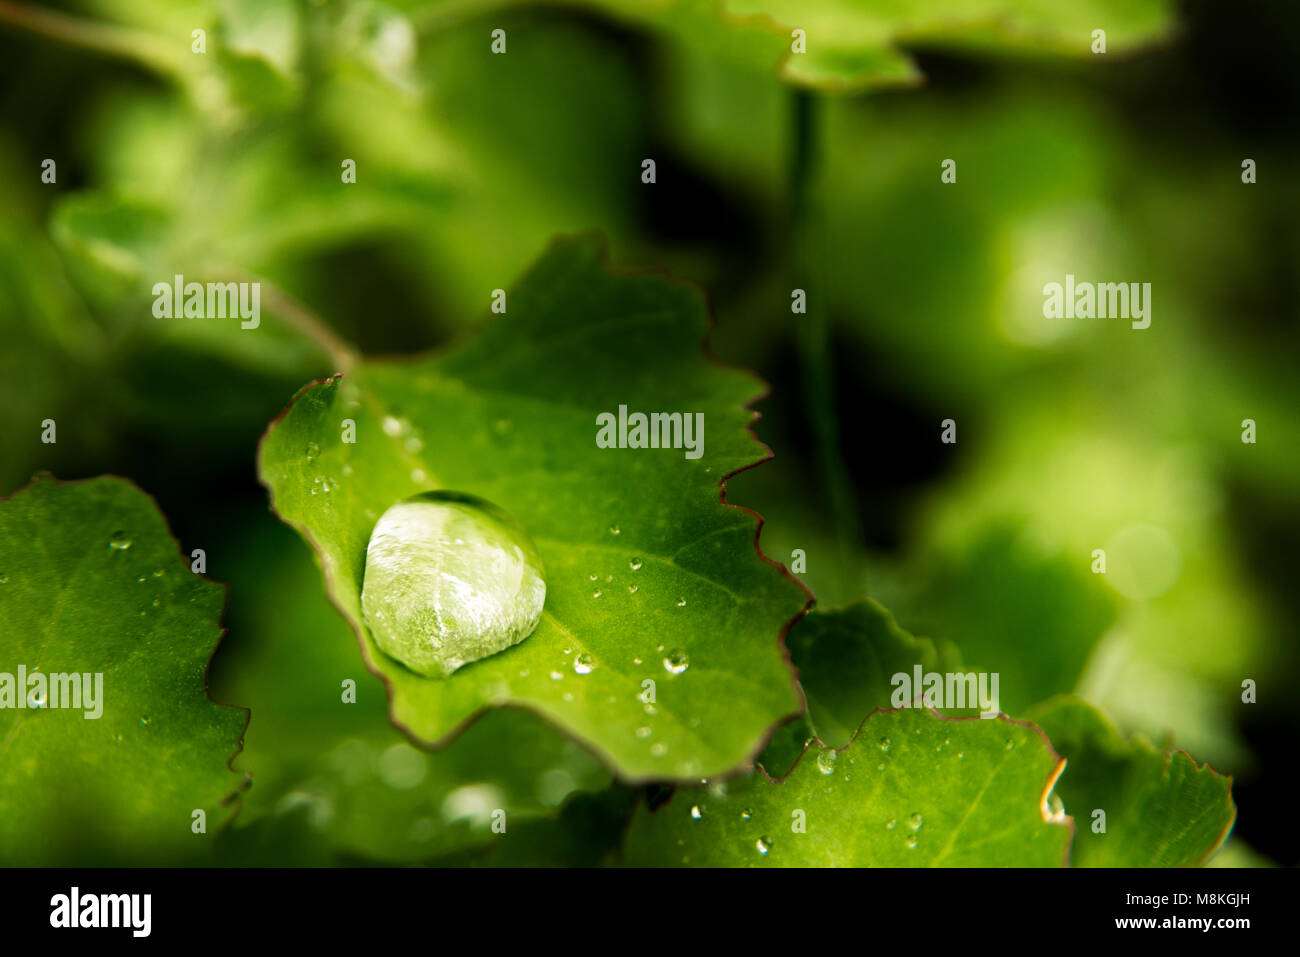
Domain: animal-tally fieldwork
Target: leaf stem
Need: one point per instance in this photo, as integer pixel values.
(109, 39)
(812, 330)
(305, 321)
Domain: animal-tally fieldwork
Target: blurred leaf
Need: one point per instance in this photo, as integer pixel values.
(644, 563)
(1162, 810)
(846, 660)
(91, 583)
(912, 789)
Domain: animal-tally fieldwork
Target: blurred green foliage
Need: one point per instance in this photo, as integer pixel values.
(1071, 437)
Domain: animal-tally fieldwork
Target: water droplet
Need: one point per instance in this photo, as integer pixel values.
(891, 825)
(615, 530)
(635, 564)
(155, 603)
(884, 744)
(1010, 744)
(583, 664)
(35, 699)
(556, 676)
(681, 603)
(392, 427)
(676, 662)
(658, 749)
(4, 579)
(450, 579)
(418, 476)
(826, 760)
(347, 469)
(643, 732)
(119, 541)
(915, 821)
(158, 573)
(696, 812)
(632, 589)
(912, 841)
(595, 594)
(746, 814)
(413, 444)
(593, 578)
(763, 844)
(313, 451)
(145, 720)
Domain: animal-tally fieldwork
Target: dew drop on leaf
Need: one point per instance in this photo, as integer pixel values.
(635, 564)
(450, 579)
(313, 451)
(884, 744)
(915, 821)
(676, 662)
(763, 844)
(583, 664)
(912, 841)
(746, 814)
(826, 760)
(696, 813)
(119, 541)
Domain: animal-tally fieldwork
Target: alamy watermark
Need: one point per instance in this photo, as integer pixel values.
(214, 300)
(75, 909)
(946, 690)
(76, 690)
(656, 430)
(1107, 300)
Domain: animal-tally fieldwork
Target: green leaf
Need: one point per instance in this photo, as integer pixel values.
(857, 45)
(911, 789)
(91, 583)
(846, 660)
(643, 560)
(1162, 809)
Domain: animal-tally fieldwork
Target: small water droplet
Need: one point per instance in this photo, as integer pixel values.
(746, 814)
(595, 594)
(658, 749)
(556, 676)
(635, 564)
(413, 444)
(636, 661)
(4, 579)
(643, 732)
(313, 451)
(615, 530)
(912, 841)
(583, 664)
(418, 476)
(884, 744)
(1010, 744)
(915, 821)
(676, 662)
(826, 760)
(763, 844)
(593, 578)
(392, 427)
(156, 602)
(119, 541)
(632, 589)
(158, 573)
(145, 720)
(893, 823)
(681, 603)
(35, 699)
(696, 812)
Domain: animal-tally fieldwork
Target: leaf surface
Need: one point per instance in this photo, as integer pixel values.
(91, 583)
(913, 789)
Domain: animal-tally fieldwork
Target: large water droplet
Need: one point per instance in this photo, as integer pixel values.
(450, 579)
